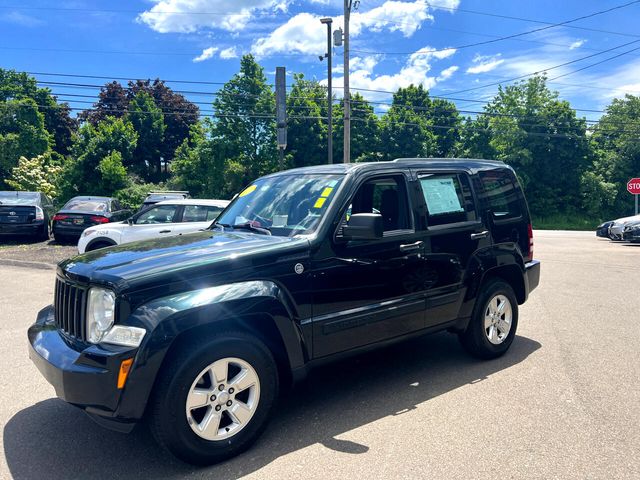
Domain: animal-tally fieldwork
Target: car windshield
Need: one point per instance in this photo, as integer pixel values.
(18, 198)
(86, 205)
(284, 205)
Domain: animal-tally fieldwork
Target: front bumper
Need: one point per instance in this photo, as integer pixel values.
(532, 272)
(82, 374)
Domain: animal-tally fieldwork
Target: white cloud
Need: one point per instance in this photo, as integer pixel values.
(206, 54)
(415, 71)
(577, 44)
(21, 19)
(366, 63)
(303, 33)
(485, 63)
(228, 53)
(447, 73)
(187, 16)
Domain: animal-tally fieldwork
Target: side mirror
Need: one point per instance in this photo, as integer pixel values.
(130, 220)
(363, 226)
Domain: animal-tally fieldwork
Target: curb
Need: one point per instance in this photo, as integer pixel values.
(25, 264)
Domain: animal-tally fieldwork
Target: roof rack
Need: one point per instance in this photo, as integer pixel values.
(183, 192)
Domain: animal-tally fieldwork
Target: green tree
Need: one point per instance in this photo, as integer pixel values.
(365, 131)
(475, 138)
(544, 140)
(306, 130)
(97, 156)
(179, 114)
(22, 133)
(148, 121)
(244, 131)
(405, 128)
(617, 157)
(57, 117)
(37, 174)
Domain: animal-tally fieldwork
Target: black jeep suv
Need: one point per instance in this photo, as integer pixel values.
(200, 331)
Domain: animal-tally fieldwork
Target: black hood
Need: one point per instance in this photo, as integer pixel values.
(179, 258)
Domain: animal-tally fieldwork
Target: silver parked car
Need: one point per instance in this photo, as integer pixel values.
(617, 228)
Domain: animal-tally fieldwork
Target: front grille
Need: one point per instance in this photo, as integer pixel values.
(70, 305)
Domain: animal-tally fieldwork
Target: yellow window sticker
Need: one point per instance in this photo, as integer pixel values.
(326, 192)
(320, 202)
(247, 190)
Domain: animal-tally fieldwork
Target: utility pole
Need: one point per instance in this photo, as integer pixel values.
(328, 56)
(281, 113)
(347, 99)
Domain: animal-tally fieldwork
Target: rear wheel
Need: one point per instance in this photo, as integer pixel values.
(213, 399)
(494, 321)
(100, 244)
(60, 238)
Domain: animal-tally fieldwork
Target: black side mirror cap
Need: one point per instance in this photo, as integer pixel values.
(130, 220)
(363, 226)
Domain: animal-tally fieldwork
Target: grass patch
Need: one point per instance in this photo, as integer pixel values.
(565, 222)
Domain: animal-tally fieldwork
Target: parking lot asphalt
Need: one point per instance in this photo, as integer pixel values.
(564, 402)
(30, 252)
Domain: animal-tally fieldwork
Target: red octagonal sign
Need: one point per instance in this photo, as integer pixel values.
(633, 186)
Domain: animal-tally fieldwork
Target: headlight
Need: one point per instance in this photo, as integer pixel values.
(100, 313)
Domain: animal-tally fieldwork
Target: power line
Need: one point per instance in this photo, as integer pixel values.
(539, 71)
(280, 14)
(530, 20)
(508, 37)
(594, 64)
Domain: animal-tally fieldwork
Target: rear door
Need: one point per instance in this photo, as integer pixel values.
(452, 230)
(507, 209)
(157, 222)
(197, 217)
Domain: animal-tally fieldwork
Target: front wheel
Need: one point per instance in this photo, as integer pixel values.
(213, 399)
(494, 321)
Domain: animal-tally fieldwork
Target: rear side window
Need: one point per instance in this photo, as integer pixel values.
(501, 194)
(200, 213)
(448, 198)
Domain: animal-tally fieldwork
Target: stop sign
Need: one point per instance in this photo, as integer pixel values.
(633, 186)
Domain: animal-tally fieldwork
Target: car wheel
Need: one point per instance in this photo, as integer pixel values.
(212, 400)
(494, 321)
(61, 239)
(97, 245)
(44, 234)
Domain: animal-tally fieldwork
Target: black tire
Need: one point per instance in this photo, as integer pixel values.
(168, 419)
(44, 234)
(61, 239)
(97, 245)
(475, 338)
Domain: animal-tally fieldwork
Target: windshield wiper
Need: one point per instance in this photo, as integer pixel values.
(253, 228)
(244, 226)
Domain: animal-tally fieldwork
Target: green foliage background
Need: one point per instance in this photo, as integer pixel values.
(144, 136)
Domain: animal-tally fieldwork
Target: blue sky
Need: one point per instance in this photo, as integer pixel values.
(394, 43)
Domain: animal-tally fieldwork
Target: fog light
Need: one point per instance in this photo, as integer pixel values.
(125, 336)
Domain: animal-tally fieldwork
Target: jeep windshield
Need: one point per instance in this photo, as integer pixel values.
(283, 205)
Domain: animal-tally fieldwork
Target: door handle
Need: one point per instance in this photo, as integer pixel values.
(479, 235)
(412, 247)
(164, 231)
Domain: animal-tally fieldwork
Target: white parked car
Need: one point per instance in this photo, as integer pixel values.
(617, 228)
(167, 218)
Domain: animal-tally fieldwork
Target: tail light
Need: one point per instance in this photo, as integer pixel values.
(39, 214)
(57, 217)
(97, 219)
(530, 231)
